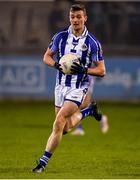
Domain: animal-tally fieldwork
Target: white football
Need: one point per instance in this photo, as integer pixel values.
(67, 61)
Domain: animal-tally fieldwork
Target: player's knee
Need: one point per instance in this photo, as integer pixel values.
(59, 124)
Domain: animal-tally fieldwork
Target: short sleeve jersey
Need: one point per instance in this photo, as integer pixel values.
(86, 47)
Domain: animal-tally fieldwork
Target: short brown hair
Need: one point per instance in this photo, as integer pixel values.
(78, 7)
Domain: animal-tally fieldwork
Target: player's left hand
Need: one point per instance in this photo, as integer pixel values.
(78, 69)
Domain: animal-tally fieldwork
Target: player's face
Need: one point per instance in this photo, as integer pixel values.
(77, 20)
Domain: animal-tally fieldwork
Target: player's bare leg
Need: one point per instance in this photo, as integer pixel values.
(72, 121)
(79, 128)
(92, 110)
(65, 112)
(54, 140)
(96, 113)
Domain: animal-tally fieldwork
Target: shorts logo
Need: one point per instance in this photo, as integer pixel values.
(75, 97)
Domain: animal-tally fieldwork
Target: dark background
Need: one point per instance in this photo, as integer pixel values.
(27, 26)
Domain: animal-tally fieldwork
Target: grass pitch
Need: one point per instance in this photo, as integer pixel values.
(25, 127)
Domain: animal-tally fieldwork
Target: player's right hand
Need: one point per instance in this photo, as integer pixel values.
(78, 69)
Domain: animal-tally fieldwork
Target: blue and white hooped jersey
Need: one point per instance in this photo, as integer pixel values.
(86, 46)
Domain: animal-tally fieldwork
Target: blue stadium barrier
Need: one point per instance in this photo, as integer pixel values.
(122, 81)
(27, 77)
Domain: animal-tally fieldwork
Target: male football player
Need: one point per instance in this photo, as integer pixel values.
(70, 90)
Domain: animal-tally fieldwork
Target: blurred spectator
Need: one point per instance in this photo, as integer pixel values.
(32, 29)
(115, 24)
(33, 38)
(3, 38)
(13, 25)
(134, 23)
(122, 29)
(98, 23)
(114, 18)
(56, 18)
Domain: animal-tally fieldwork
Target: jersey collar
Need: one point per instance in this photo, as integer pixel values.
(83, 34)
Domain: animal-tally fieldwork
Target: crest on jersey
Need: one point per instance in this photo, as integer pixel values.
(84, 47)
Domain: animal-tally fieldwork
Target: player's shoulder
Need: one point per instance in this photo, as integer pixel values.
(92, 38)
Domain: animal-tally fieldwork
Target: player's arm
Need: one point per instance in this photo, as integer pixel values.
(98, 70)
(98, 60)
(48, 59)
